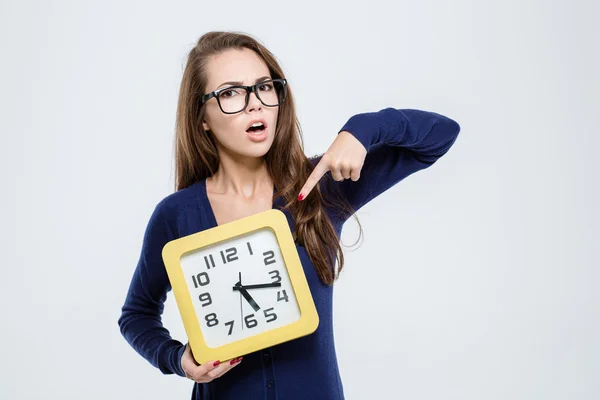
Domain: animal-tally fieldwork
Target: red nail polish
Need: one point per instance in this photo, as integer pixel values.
(300, 197)
(216, 363)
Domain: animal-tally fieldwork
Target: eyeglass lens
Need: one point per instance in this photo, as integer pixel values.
(233, 99)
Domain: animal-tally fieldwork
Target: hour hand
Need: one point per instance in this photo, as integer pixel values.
(249, 299)
(259, 286)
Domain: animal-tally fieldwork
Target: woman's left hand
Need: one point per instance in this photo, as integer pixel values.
(344, 158)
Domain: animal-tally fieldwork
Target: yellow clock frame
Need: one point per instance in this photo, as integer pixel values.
(277, 222)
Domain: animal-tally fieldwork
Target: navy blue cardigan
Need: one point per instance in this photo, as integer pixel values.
(399, 142)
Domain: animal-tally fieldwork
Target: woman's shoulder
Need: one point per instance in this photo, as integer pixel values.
(173, 205)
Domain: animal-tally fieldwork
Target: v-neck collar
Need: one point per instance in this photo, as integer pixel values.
(208, 207)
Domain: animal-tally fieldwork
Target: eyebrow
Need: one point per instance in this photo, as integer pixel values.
(237, 83)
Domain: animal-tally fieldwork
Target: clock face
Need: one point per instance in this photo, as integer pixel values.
(240, 287)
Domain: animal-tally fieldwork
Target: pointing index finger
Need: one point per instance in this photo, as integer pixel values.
(320, 169)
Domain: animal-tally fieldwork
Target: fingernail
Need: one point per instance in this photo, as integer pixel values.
(216, 363)
(236, 360)
(300, 197)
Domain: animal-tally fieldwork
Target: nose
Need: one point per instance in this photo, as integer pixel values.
(253, 102)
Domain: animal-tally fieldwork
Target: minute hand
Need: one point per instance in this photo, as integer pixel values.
(259, 286)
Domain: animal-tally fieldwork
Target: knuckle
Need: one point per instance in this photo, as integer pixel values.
(198, 375)
(213, 374)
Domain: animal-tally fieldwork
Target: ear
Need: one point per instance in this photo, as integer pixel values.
(205, 126)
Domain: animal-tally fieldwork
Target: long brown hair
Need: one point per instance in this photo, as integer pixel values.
(196, 155)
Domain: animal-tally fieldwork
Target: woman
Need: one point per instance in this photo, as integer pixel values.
(239, 152)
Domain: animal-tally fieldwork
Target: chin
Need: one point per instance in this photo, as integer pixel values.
(251, 149)
(256, 152)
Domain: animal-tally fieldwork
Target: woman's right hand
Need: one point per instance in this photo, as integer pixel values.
(206, 372)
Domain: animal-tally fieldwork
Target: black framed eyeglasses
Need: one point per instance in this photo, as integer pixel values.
(234, 99)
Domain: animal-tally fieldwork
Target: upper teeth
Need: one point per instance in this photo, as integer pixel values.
(256, 124)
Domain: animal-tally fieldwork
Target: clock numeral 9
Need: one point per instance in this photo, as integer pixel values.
(276, 276)
(270, 316)
(282, 297)
(211, 320)
(205, 299)
(199, 281)
(269, 257)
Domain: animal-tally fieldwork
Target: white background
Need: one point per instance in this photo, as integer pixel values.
(482, 271)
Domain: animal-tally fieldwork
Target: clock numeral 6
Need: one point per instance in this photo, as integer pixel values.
(205, 299)
(250, 321)
(270, 316)
(276, 276)
(211, 320)
(201, 279)
(269, 257)
(282, 297)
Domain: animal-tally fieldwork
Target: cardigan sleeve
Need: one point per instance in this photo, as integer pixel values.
(399, 142)
(140, 321)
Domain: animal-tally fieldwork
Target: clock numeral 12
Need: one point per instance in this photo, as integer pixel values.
(231, 255)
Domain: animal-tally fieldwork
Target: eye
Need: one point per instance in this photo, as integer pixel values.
(228, 93)
(266, 87)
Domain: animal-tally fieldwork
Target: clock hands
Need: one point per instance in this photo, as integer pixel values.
(259, 286)
(246, 295)
(241, 307)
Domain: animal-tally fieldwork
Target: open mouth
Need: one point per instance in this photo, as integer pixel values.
(256, 128)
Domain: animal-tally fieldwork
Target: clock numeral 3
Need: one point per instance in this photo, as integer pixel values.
(211, 320)
(231, 327)
(282, 297)
(199, 281)
(276, 276)
(205, 299)
(250, 321)
(270, 316)
(269, 257)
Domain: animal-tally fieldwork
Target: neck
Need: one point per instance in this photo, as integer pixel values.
(241, 176)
